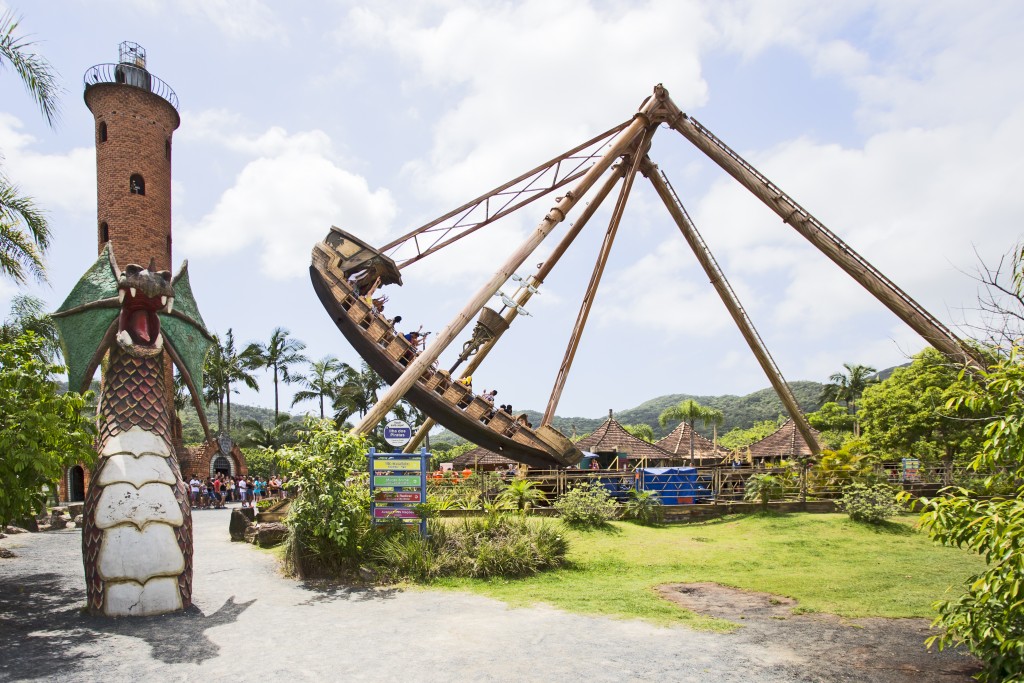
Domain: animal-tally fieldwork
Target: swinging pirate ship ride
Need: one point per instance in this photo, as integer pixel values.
(344, 268)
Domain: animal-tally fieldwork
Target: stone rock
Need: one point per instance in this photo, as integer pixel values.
(11, 529)
(238, 523)
(76, 510)
(6, 554)
(271, 534)
(3, 535)
(56, 523)
(29, 524)
(42, 527)
(367, 574)
(250, 533)
(78, 519)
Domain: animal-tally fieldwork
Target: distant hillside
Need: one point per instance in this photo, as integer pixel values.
(738, 411)
(192, 431)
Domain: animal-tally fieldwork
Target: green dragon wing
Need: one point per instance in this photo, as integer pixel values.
(186, 333)
(84, 319)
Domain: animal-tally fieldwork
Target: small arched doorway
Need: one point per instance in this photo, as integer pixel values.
(221, 464)
(76, 484)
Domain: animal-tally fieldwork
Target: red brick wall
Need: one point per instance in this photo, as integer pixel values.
(139, 126)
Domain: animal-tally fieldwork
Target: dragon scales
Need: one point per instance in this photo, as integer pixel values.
(137, 523)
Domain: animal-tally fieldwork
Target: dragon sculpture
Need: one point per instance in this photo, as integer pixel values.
(137, 523)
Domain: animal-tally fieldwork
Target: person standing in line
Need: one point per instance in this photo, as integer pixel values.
(243, 489)
(194, 489)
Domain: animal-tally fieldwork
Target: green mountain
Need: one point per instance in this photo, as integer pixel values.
(738, 411)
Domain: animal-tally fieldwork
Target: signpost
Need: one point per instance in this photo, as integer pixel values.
(398, 481)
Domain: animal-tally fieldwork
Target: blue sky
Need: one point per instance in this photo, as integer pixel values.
(898, 124)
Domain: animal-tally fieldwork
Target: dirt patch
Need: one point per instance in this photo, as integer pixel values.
(827, 647)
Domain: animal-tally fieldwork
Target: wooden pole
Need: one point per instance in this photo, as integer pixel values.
(739, 316)
(869, 277)
(556, 215)
(595, 278)
(526, 293)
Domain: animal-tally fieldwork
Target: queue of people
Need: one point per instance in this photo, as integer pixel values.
(221, 489)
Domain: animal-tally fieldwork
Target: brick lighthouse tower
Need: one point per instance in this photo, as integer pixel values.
(136, 114)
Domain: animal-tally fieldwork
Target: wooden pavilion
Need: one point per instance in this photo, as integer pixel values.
(616, 448)
(677, 443)
(783, 444)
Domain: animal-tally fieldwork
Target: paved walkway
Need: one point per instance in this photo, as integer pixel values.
(250, 624)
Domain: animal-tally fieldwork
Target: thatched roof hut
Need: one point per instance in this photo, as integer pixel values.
(483, 459)
(611, 437)
(678, 444)
(784, 443)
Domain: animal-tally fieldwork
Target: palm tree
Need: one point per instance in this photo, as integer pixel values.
(358, 392)
(715, 417)
(24, 231)
(28, 314)
(689, 411)
(522, 493)
(322, 382)
(641, 431)
(848, 387)
(273, 437)
(215, 379)
(279, 356)
(236, 369)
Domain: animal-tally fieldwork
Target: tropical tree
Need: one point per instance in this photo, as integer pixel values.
(279, 356)
(215, 379)
(321, 382)
(237, 368)
(358, 391)
(689, 411)
(763, 488)
(28, 314)
(24, 231)
(848, 387)
(280, 433)
(641, 431)
(42, 431)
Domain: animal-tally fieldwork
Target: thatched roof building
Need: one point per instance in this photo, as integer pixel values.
(786, 442)
(611, 437)
(483, 459)
(677, 443)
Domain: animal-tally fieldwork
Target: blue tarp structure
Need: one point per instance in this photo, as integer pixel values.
(674, 485)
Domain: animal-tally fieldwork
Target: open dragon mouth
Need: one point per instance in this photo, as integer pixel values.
(139, 317)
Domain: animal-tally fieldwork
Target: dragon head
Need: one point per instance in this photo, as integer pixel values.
(145, 312)
(143, 293)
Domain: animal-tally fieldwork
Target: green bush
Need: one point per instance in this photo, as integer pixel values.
(329, 517)
(872, 503)
(497, 545)
(587, 505)
(763, 488)
(643, 507)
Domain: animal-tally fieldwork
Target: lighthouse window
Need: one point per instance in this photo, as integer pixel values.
(167, 149)
(103, 131)
(104, 232)
(136, 184)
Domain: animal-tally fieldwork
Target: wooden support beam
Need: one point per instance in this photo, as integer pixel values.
(595, 278)
(732, 303)
(556, 215)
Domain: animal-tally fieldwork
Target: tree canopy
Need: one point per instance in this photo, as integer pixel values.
(42, 431)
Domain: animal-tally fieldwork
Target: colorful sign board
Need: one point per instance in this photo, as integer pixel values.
(397, 464)
(389, 512)
(396, 480)
(397, 497)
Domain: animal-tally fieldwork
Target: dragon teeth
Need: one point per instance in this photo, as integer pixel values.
(132, 291)
(163, 301)
(120, 296)
(124, 338)
(170, 304)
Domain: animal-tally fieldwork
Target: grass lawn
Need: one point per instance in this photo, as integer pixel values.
(826, 562)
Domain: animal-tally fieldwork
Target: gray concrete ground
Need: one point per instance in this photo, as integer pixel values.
(249, 623)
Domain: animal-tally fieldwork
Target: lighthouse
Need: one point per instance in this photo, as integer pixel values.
(135, 115)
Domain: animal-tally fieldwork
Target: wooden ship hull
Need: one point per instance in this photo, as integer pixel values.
(435, 393)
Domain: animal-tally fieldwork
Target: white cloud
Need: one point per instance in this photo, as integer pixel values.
(285, 201)
(55, 181)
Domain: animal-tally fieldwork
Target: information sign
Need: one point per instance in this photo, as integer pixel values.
(388, 512)
(398, 497)
(396, 464)
(397, 433)
(396, 480)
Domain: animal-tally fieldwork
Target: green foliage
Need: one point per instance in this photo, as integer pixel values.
(831, 416)
(41, 431)
(871, 503)
(282, 431)
(989, 616)
(329, 518)
(262, 462)
(587, 505)
(522, 494)
(643, 507)
(28, 314)
(837, 469)
(910, 414)
(641, 431)
(738, 438)
(496, 545)
(764, 488)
